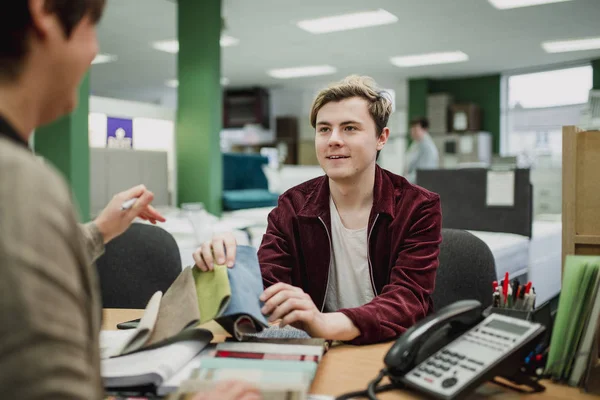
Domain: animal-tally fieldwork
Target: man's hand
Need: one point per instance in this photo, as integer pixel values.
(231, 390)
(220, 249)
(113, 221)
(296, 308)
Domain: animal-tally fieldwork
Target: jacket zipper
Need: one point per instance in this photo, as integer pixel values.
(369, 255)
(330, 259)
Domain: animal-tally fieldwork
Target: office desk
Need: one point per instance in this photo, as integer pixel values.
(348, 368)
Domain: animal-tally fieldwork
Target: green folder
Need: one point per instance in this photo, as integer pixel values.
(213, 292)
(580, 276)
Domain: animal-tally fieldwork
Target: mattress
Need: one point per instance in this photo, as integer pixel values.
(511, 252)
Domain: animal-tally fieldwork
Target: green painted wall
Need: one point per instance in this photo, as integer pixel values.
(199, 165)
(65, 144)
(596, 68)
(482, 90)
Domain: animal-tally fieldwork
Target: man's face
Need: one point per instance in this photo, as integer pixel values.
(346, 140)
(416, 132)
(68, 59)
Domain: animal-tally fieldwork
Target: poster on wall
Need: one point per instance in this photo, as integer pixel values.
(119, 133)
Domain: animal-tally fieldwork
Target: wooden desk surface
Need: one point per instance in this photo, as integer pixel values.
(350, 368)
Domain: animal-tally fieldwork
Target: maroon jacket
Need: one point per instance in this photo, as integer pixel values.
(404, 234)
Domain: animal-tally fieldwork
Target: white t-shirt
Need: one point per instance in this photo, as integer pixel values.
(349, 283)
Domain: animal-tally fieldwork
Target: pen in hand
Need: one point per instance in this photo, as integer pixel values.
(128, 204)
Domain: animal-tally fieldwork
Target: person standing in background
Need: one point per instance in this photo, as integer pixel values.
(49, 296)
(422, 152)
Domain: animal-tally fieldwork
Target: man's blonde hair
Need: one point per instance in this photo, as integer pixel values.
(380, 104)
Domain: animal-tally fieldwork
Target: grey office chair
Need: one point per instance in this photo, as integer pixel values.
(467, 269)
(136, 264)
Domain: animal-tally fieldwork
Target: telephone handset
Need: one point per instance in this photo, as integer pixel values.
(450, 353)
(411, 347)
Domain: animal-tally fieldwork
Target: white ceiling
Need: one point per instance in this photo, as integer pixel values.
(496, 41)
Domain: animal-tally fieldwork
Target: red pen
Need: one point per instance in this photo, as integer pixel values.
(505, 288)
(528, 287)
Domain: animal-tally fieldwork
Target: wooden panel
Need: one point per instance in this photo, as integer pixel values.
(587, 249)
(587, 202)
(569, 185)
(587, 239)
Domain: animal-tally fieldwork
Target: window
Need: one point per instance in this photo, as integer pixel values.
(537, 106)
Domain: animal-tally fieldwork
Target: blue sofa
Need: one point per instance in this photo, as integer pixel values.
(244, 182)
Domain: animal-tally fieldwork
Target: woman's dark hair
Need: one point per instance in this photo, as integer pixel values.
(15, 25)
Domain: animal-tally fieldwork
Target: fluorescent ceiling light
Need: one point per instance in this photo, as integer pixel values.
(174, 83)
(563, 46)
(429, 59)
(348, 21)
(169, 46)
(227, 41)
(172, 46)
(506, 4)
(315, 70)
(104, 58)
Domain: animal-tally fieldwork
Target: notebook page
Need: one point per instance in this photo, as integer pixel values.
(146, 365)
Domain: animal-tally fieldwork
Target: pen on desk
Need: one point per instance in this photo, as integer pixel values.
(505, 284)
(128, 204)
(496, 299)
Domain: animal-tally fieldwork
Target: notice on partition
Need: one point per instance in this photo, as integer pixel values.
(500, 189)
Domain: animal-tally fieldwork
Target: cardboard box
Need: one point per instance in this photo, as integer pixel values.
(465, 117)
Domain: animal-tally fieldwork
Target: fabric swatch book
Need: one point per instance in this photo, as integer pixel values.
(279, 370)
(230, 296)
(276, 379)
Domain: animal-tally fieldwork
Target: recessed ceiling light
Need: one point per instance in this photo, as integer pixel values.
(429, 59)
(506, 4)
(314, 70)
(348, 21)
(104, 58)
(563, 46)
(172, 46)
(174, 83)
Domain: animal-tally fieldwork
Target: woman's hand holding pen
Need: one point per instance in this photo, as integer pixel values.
(123, 209)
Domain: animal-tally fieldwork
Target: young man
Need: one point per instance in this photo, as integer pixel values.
(351, 255)
(50, 305)
(422, 153)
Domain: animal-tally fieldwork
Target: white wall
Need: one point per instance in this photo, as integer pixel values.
(153, 127)
(130, 109)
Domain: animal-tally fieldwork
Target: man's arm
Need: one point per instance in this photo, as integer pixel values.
(405, 300)
(94, 241)
(274, 254)
(45, 328)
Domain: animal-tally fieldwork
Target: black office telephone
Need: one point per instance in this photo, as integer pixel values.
(450, 353)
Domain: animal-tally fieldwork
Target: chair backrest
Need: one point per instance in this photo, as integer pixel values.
(244, 171)
(136, 264)
(467, 269)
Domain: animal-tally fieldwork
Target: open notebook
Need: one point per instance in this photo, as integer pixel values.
(156, 365)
